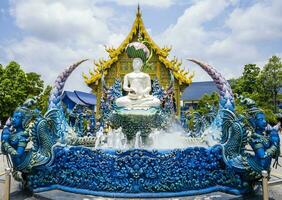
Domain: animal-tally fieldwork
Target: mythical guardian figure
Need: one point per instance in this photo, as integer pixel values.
(14, 137)
(43, 130)
(263, 139)
(29, 125)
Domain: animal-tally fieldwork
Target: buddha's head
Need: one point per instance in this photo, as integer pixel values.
(137, 64)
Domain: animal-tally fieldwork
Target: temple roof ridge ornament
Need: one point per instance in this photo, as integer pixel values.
(138, 29)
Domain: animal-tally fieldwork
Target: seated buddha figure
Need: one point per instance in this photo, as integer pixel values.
(138, 86)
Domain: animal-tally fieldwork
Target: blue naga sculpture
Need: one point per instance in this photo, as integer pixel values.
(60, 159)
(14, 137)
(264, 139)
(200, 122)
(108, 98)
(264, 142)
(28, 125)
(43, 131)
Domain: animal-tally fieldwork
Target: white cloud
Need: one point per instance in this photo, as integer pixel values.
(227, 45)
(257, 23)
(155, 3)
(61, 21)
(57, 35)
(188, 36)
(228, 50)
(49, 59)
(115, 40)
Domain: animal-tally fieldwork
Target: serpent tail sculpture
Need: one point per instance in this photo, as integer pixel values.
(64, 133)
(55, 96)
(226, 101)
(225, 91)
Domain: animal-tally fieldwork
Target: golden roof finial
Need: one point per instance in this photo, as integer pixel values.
(138, 30)
(138, 10)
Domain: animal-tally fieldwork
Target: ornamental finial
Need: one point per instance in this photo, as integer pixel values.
(138, 10)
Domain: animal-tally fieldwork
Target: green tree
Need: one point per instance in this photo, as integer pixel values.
(250, 77)
(42, 103)
(247, 83)
(206, 101)
(35, 85)
(270, 82)
(262, 86)
(1, 71)
(15, 87)
(205, 104)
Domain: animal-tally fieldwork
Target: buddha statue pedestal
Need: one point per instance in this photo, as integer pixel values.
(137, 120)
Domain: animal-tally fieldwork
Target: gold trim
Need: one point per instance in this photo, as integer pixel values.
(184, 77)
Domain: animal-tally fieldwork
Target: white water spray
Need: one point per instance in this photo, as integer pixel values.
(174, 137)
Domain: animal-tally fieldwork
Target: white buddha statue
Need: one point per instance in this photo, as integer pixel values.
(138, 86)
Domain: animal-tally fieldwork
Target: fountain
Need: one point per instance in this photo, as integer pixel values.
(144, 152)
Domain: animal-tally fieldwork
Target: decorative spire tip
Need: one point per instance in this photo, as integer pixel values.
(138, 10)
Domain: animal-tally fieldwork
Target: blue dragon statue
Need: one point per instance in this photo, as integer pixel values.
(201, 122)
(110, 94)
(235, 135)
(263, 139)
(29, 125)
(42, 130)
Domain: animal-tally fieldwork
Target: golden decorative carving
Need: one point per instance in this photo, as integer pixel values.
(119, 60)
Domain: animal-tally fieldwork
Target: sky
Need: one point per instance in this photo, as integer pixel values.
(46, 36)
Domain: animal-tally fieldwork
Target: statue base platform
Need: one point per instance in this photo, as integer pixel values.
(137, 173)
(136, 120)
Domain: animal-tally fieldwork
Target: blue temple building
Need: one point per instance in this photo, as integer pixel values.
(192, 94)
(195, 91)
(71, 99)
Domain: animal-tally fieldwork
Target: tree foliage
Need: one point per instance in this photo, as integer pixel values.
(270, 82)
(247, 83)
(206, 104)
(42, 103)
(15, 87)
(207, 101)
(261, 85)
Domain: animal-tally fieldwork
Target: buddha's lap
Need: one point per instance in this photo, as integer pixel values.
(149, 101)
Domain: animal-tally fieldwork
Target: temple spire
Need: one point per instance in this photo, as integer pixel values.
(138, 10)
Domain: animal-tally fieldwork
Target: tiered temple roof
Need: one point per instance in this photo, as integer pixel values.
(184, 78)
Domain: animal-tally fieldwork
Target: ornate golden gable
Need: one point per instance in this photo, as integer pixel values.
(119, 64)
